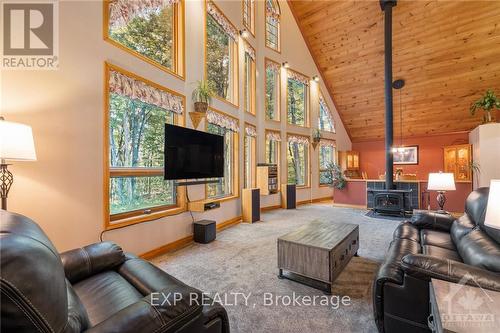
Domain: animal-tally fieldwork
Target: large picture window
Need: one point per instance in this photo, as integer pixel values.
(249, 15)
(326, 158)
(273, 140)
(325, 119)
(272, 87)
(220, 124)
(221, 51)
(273, 16)
(249, 86)
(249, 156)
(150, 30)
(297, 98)
(298, 160)
(136, 113)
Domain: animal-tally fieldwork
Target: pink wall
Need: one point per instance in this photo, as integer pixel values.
(372, 160)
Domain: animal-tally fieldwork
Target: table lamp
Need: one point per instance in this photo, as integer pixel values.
(492, 218)
(441, 182)
(16, 144)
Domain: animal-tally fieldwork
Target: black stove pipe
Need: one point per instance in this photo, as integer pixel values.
(386, 6)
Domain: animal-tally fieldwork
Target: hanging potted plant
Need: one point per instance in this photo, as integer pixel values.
(316, 138)
(202, 95)
(487, 103)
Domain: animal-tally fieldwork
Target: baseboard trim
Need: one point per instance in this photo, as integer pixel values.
(264, 209)
(323, 199)
(183, 242)
(349, 206)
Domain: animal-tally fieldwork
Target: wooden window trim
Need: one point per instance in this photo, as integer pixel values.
(236, 168)
(278, 49)
(334, 158)
(278, 153)
(278, 88)
(234, 102)
(251, 28)
(179, 70)
(122, 219)
(253, 148)
(253, 86)
(308, 162)
(307, 118)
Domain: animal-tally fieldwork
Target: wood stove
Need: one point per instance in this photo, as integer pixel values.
(392, 202)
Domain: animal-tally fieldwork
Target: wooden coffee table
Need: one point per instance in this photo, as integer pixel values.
(316, 253)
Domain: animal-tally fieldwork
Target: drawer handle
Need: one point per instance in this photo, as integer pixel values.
(354, 242)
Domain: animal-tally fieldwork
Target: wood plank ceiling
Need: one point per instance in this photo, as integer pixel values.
(448, 52)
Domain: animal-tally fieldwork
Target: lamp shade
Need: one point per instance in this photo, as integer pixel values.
(441, 182)
(16, 142)
(492, 218)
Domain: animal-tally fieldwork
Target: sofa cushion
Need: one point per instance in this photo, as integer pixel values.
(440, 252)
(436, 238)
(105, 294)
(478, 249)
(460, 228)
(475, 205)
(406, 230)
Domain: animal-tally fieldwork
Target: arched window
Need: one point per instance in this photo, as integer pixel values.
(249, 15)
(273, 15)
(325, 119)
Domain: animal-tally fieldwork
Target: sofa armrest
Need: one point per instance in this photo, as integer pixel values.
(424, 219)
(426, 267)
(89, 260)
(158, 312)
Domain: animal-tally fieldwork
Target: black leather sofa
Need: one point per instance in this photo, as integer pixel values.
(97, 288)
(437, 246)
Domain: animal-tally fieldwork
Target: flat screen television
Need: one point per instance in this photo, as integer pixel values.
(191, 154)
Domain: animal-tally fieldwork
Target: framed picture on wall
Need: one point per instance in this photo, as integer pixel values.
(406, 155)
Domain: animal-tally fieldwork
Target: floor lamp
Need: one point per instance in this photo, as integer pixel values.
(16, 144)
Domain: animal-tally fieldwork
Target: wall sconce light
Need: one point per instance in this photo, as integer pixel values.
(244, 33)
(316, 78)
(286, 64)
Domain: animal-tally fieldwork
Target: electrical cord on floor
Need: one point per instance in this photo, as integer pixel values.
(128, 225)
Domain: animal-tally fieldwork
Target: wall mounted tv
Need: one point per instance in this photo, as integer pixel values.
(191, 154)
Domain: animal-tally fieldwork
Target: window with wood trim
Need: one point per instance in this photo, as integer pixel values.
(249, 157)
(249, 15)
(273, 16)
(273, 90)
(298, 160)
(297, 99)
(221, 51)
(325, 118)
(273, 140)
(150, 30)
(136, 113)
(326, 159)
(226, 126)
(249, 84)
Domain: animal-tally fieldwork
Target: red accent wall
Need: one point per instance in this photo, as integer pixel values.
(353, 194)
(430, 148)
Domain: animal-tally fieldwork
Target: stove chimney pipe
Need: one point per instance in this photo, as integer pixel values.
(386, 6)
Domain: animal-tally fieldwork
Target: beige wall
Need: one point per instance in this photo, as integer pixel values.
(62, 190)
(485, 140)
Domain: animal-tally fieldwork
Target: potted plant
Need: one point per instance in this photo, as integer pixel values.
(335, 176)
(487, 103)
(202, 95)
(316, 138)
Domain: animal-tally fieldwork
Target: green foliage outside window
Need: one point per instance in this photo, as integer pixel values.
(272, 78)
(272, 151)
(150, 35)
(326, 157)
(324, 120)
(224, 185)
(136, 142)
(297, 102)
(297, 163)
(218, 58)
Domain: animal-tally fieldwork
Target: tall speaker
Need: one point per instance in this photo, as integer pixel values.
(288, 196)
(250, 205)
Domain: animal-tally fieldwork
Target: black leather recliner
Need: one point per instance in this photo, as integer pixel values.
(437, 246)
(93, 289)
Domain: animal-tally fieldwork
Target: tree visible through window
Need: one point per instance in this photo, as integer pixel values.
(326, 158)
(325, 119)
(272, 90)
(249, 161)
(249, 15)
(224, 185)
(297, 159)
(249, 84)
(296, 102)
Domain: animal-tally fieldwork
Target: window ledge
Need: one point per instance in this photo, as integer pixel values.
(144, 218)
(226, 198)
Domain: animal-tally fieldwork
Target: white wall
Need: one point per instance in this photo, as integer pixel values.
(485, 140)
(63, 189)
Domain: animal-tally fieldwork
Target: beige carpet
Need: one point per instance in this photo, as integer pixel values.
(243, 260)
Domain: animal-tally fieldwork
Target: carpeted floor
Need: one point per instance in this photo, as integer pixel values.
(243, 260)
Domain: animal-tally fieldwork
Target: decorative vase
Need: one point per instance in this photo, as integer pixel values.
(200, 107)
